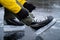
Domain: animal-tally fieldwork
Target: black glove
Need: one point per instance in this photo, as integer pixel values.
(22, 14)
(28, 6)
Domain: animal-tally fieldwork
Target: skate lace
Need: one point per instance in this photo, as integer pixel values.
(39, 19)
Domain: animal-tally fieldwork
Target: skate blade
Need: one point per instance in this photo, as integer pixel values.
(8, 30)
(43, 29)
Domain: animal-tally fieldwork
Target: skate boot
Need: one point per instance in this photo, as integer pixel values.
(30, 7)
(13, 22)
(37, 25)
(10, 19)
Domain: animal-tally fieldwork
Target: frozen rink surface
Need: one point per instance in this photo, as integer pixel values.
(54, 32)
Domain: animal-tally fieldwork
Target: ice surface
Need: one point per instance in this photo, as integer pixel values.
(53, 33)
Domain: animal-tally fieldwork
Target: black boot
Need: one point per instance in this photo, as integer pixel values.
(13, 22)
(38, 25)
(10, 19)
(29, 6)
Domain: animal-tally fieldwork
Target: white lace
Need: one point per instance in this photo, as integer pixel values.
(39, 19)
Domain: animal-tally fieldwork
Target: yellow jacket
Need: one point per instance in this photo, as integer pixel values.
(12, 5)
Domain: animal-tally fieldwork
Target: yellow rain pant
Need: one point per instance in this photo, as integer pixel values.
(11, 5)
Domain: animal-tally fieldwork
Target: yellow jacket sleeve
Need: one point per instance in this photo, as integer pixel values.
(22, 1)
(11, 5)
